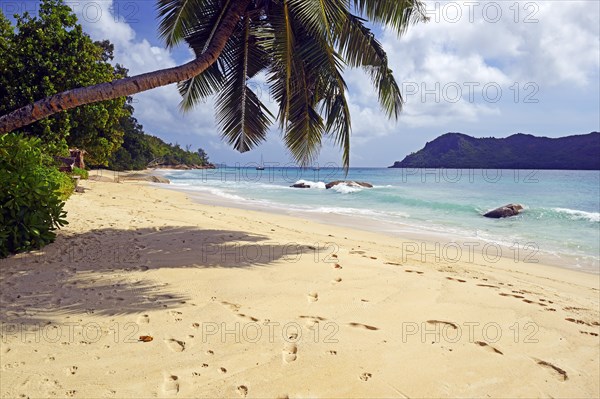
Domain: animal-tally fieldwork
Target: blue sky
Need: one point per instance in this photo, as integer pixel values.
(484, 68)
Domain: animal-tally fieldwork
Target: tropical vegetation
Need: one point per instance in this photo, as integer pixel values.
(32, 195)
(519, 151)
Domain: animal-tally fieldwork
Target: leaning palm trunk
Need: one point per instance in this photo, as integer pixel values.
(127, 86)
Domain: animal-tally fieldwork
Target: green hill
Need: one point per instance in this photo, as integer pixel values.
(519, 151)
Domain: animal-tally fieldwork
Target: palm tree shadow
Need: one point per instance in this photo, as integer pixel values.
(103, 272)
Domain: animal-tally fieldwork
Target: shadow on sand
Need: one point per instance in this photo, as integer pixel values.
(103, 271)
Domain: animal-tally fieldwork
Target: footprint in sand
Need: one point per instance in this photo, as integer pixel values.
(289, 353)
(312, 321)
(311, 324)
(365, 326)
(243, 316)
(143, 319)
(171, 385)
(577, 321)
(175, 345)
(487, 285)
(176, 315)
(489, 347)
(365, 376)
(336, 280)
(72, 370)
(242, 390)
(514, 296)
(560, 373)
(446, 323)
(337, 266)
(313, 297)
(234, 307)
(534, 302)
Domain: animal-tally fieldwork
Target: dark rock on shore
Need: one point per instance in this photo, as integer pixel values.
(504, 211)
(143, 177)
(300, 185)
(185, 167)
(349, 183)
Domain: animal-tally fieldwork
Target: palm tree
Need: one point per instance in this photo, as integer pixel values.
(301, 47)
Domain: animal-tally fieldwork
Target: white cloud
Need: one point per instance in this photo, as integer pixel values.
(473, 49)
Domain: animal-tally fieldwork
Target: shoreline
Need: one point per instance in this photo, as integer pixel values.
(340, 312)
(422, 237)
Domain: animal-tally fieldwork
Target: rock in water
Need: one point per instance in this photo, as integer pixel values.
(142, 176)
(504, 211)
(300, 185)
(349, 183)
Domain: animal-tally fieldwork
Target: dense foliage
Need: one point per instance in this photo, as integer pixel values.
(43, 55)
(519, 151)
(48, 54)
(84, 174)
(31, 199)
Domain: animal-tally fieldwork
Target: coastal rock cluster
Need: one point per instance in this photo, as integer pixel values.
(143, 177)
(349, 183)
(504, 211)
(187, 167)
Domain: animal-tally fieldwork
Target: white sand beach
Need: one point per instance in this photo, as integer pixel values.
(241, 303)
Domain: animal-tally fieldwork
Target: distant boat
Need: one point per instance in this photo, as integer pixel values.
(262, 165)
(316, 168)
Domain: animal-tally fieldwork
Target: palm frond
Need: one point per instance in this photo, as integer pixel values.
(319, 16)
(178, 16)
(200, 87)
(397, 14)
(243, 118)
(198, 37)
(360, 48)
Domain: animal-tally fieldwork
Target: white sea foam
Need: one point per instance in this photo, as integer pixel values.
(211, 190)
(575, 214)
(312, 184)
(345, 189)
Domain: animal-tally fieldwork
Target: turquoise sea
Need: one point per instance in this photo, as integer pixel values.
(560, 223)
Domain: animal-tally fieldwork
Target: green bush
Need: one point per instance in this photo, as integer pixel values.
(80, 172)
(66, 184)
(31, 207)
